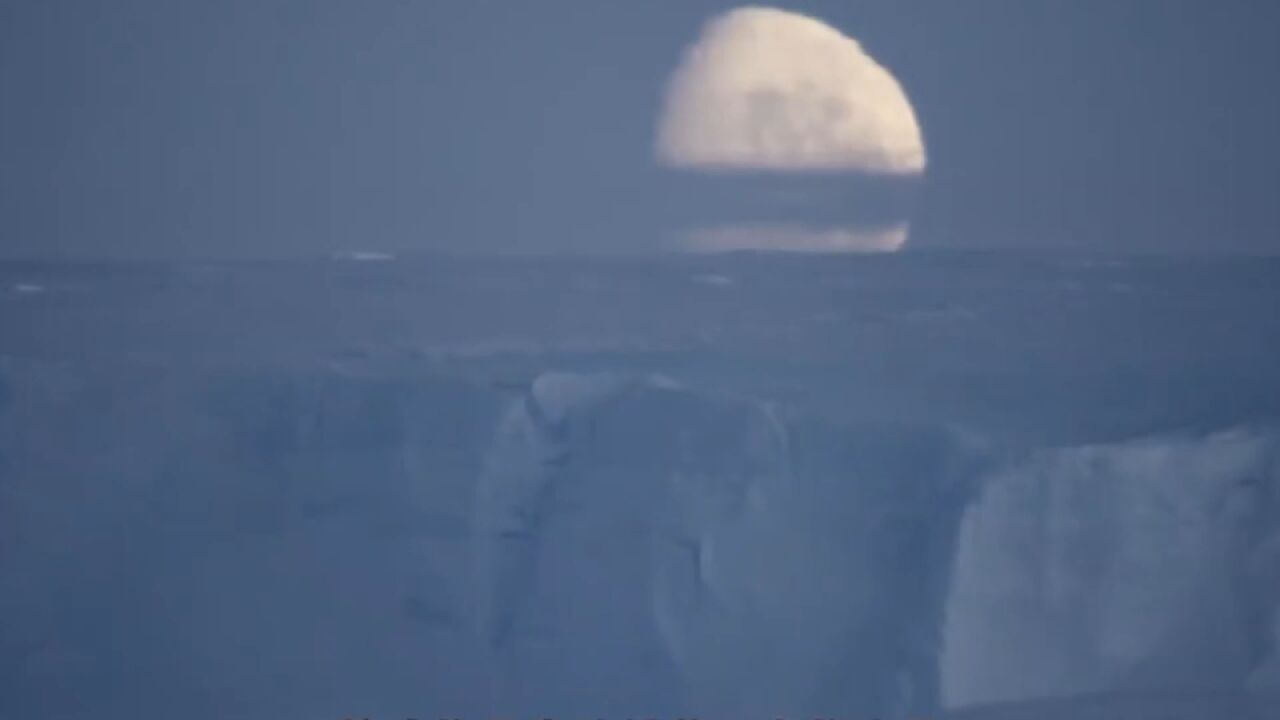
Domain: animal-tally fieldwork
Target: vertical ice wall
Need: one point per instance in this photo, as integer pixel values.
(677, 548)
(526, 465)
(559, 559)
(1139, 565)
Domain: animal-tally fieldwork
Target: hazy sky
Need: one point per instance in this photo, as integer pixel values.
(246, 127)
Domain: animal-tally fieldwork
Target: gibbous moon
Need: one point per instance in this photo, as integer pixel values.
(774, 92)
(765, 89)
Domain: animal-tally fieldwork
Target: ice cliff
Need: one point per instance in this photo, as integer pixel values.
(826, 512)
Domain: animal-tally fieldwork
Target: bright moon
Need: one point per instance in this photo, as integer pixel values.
(765, 89)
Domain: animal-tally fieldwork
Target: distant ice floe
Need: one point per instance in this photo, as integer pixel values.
(713, 280)
(364, 256)
(950, 313)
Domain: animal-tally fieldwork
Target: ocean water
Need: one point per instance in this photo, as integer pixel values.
(994, 484)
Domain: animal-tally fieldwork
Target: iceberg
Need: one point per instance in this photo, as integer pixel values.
(1130, 566)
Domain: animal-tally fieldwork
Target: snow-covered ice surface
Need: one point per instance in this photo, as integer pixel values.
(986, 485)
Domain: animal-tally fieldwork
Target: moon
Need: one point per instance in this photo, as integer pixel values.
(772, 91)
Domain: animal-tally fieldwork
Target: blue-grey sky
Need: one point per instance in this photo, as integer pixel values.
(268, 127)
